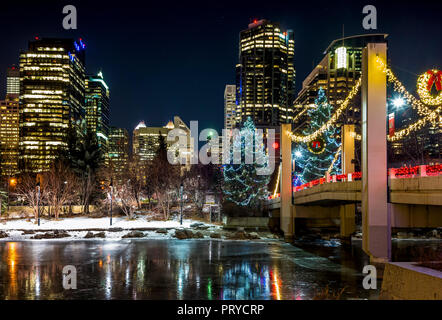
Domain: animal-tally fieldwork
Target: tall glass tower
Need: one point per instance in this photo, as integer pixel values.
(97, 109)
(265, 74)
(52, 96)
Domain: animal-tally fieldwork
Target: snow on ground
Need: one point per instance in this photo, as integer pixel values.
(78, 227)
(83, 223)
(17, 235)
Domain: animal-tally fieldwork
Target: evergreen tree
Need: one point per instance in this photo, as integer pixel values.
(84, 156)
(3, 201)
(314, 159)
(242, 184)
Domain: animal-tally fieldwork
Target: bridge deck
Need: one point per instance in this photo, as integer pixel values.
(413, 190)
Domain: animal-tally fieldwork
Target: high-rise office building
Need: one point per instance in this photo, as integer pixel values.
(229, 106)
(97, 109)
(52, 99)
(9, 135)
(13, 80)
(265, 74)
(337, 73)
(118, 150)
(9, 124)
(146, 140)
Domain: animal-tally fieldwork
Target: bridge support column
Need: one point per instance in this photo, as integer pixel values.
(375, 214)
(287, 219)
(347, 219)
(348, 148)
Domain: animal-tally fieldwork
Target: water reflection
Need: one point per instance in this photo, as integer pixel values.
(172, 269)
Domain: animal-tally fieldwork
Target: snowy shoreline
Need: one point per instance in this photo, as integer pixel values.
(84, 228)
(87, 224)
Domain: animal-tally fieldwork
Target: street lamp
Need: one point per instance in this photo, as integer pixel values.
(38, 203)
(181, 203)
(398, 102)
(111, 196)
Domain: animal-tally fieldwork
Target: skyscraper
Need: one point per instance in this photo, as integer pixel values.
(52, 95)
(337, 73)
(265, 74)
(13, 81)
(229, 106)
(97, 109)
(9, 124)
(118, 150)
(146, 139)
(9, 135)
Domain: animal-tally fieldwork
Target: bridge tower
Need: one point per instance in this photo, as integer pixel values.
(347, 211)
(286, 218)
(376, 224)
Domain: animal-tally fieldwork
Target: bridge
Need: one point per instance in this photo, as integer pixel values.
(397, 197)
(415, 198)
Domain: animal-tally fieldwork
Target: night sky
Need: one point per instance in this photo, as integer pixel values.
(167, 58)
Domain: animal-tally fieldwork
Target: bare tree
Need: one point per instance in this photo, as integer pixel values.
(197, 183)
(29, 192)
(135, 173)
(164, 178)
(125, 198)
(61, 188)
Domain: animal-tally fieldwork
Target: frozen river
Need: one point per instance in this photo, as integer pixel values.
(173, 269)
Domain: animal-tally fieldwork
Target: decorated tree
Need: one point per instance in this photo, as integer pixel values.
(316, 157)
(243, 184)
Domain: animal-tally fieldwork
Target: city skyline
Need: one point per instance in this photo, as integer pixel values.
(172, 86)
(276, 150)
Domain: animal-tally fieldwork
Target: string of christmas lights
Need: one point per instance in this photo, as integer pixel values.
(326, 126)
(242, 184)
(428, 114)
(316, 156)
(338, 153)
(277, 182)
(399, 87)
(419, 124)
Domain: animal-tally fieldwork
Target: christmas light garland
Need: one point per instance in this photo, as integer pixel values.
(421, 108)
(338, 153)
(277, 182)
(429, 115)
(331, 121)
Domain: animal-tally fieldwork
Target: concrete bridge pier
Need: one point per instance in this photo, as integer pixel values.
(376, 222)
(347, 211)
(286, 219)
(347, 220)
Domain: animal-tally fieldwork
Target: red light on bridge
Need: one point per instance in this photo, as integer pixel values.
(275, 145)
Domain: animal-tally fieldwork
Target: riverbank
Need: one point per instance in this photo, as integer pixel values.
(80, 228)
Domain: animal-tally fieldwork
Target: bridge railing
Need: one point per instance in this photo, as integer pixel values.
(393, 173)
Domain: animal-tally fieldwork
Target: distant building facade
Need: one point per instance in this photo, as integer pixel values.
(9, 124)
(229, 106)
(118, 150)
(13, 81)
(52, 99)
(9, 135)
(146, 140)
